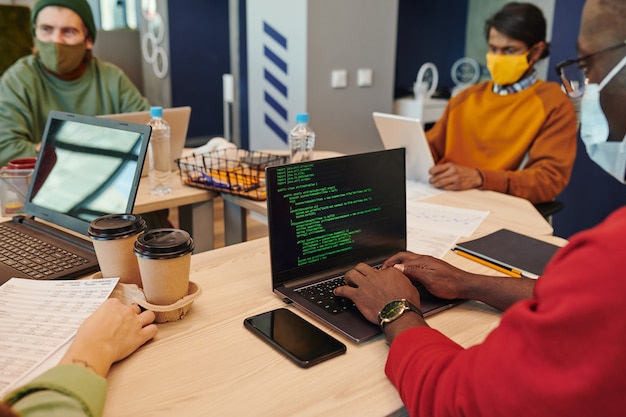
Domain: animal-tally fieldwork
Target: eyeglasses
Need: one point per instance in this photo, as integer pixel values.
(572, 74)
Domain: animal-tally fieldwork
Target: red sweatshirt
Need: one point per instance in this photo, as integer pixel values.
(561, 353)
(535, 127)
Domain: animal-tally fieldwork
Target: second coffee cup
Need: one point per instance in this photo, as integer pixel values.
(113, 238)
(164, 257)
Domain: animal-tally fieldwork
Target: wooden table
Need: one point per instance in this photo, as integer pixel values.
(195, 209)
(208, 364)
(516, 213)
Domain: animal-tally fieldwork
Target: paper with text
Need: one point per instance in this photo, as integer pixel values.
(433, 229)
(39, 317)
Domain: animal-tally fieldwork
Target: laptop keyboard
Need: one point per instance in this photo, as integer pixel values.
(34, 257)
(322, 295)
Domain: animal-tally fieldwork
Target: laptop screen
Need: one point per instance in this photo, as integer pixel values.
(330, 214)
(87, 167)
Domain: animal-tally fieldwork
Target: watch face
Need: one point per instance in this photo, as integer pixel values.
(392, 310)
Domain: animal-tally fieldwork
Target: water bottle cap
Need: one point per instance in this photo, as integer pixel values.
(156, 111)
(302, 118)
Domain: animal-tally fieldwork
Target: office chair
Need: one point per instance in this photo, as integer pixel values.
(549, 208)
(16, 39)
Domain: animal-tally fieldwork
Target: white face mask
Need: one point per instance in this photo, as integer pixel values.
(594, 130)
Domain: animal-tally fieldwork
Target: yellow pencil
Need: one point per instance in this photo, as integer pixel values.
(510, 272)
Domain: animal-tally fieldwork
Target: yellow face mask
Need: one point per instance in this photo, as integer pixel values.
(507, 69)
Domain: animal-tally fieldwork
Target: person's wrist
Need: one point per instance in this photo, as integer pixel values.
(96, 355)
(408, 320)
(480, 180)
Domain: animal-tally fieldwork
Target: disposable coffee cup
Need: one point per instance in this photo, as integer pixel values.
(113, 238)
(164, 257)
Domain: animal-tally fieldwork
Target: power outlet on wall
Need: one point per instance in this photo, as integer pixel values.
(364, 77)
(339, 79)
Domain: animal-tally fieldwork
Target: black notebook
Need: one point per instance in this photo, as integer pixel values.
(510, 250)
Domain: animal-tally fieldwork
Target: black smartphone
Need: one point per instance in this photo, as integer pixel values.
(295, 337)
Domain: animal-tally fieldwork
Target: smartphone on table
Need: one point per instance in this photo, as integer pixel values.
(293, 336)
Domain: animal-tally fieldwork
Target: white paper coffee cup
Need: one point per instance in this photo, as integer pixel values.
(164, 257)
(113, 237)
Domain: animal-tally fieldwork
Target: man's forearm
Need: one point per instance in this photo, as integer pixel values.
(499, 292)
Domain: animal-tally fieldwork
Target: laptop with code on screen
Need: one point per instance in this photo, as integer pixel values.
(87, 167)
(324, 217)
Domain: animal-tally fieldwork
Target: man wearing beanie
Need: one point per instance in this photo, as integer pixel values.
(61, 74)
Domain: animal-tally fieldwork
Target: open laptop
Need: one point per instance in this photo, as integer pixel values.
(405, 132)
(176, 117)
(87, 167)
(327, 215)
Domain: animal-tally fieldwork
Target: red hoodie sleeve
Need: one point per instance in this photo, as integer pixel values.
(561, 353)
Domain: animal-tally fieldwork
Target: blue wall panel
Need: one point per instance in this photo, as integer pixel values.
(429, 31)
(200, 54)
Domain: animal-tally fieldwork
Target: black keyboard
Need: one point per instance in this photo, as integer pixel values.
(34, 257)
(322, 295)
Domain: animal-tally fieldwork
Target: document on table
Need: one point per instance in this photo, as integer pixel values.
(416, 190)
(433, 229)
(37, 318)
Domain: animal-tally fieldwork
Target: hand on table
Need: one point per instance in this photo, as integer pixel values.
(452, 177)
(110, 334)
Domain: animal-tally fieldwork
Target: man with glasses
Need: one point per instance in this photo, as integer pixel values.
(515, 134)
(62, 75)
(560, 348)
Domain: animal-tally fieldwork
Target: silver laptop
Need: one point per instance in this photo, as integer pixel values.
(405, 132)
(327, 215)
(176, 117)
(87, 167)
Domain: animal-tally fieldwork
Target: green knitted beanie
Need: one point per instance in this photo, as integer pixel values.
(81, 7)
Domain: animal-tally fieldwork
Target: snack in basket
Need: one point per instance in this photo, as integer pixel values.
(241, 172)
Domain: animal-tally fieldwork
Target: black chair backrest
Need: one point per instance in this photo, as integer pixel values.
(16, 39)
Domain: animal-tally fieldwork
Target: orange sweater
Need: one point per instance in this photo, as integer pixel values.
(493, 133)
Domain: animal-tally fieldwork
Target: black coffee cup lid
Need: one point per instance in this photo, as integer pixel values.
(163, 244)
(116, 226)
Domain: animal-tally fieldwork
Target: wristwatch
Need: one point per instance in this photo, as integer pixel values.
(394, 310)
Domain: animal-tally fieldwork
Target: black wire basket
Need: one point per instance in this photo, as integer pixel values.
(233, 171)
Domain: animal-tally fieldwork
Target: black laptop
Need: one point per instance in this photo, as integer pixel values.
(87, 167)
(324, 217)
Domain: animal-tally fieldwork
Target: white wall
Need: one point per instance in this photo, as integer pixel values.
(321, 36)
(277, 69)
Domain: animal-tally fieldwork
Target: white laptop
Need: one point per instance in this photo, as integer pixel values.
(406, 132)
(176, 117)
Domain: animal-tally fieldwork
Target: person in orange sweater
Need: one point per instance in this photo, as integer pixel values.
(515, 134)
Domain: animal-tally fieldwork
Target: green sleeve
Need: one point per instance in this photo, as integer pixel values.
(65, 390)
(131, 99)
(16, 125)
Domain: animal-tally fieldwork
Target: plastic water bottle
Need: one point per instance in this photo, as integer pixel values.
(301, 139)
(159, 160)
